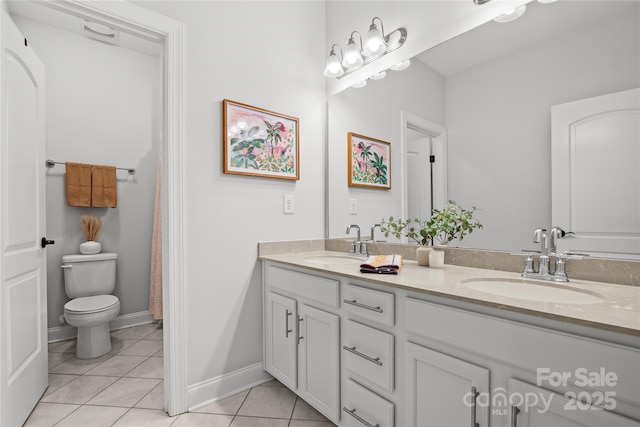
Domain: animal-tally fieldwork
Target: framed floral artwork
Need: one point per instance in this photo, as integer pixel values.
(369, 162)
(260, 142)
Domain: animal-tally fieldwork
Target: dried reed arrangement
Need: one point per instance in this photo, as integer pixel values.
(91, 227)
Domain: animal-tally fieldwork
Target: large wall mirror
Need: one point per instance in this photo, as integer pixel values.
(492, 90)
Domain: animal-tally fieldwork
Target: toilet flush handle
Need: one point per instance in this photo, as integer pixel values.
(66, 266)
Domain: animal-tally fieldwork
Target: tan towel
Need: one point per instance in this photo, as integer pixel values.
(104, 192)
(78, 183)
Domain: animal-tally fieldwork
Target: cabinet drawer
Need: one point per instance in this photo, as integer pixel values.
(369, 304)
(315, 288)
(368, 353)
(364, 408)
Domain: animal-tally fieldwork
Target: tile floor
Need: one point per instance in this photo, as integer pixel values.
(125, 388)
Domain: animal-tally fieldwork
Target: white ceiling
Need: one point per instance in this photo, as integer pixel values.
(494, 39)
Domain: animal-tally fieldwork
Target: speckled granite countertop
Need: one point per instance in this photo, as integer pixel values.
(617, 310)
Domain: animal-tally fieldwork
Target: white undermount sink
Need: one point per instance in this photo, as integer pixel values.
(334, 259)
(533, 291)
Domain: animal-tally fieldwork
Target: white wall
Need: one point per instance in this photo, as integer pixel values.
(99, 111)
(270, 55)
(374, 111)
(498, 118)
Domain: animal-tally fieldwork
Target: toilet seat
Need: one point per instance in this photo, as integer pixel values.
(93, 304)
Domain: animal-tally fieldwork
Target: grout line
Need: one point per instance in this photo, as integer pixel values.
(121, 416)
(239, 407)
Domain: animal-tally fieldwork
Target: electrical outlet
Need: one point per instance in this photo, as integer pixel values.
(289, 203)
(353, 206)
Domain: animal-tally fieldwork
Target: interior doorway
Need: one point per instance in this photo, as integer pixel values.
(145, 25)
(424, 157)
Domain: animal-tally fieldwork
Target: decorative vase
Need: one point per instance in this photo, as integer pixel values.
(90, 247)
(423, 255)
(436, 258)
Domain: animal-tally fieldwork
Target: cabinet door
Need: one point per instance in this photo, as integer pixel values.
(319, 360)
(538, 407)
(439, 389)
(282, 339)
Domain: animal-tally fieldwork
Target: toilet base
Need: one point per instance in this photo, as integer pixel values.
(93, 342)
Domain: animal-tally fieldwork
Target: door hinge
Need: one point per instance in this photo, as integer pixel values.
(432, 159)
(25, 42)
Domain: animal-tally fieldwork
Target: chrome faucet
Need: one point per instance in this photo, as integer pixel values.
(357, 246)
(540, 236)
(373, 230)
(548, 249)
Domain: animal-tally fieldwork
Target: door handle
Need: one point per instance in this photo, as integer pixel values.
(44, 242)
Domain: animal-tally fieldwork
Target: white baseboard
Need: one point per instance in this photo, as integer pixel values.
(223, 386)
(65, 332)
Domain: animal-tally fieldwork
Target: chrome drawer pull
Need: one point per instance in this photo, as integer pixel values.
(474, 396)
(357, 304)
(364, 356)
(287, 331)
(352, 412)
(514, 415)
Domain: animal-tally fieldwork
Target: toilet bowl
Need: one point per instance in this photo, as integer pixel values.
(89, 280)
(91, 315)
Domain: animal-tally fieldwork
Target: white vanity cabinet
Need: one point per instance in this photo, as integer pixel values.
(576, 378)
(302, 336)
(367, 354)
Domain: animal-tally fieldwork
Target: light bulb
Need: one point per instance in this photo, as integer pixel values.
(379, 76)
(352, 55)
(374, 42)
(333, 67)
(401, 65)
(511, 15)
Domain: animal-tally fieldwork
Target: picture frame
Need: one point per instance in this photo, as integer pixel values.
(259, 142)
(369, 162)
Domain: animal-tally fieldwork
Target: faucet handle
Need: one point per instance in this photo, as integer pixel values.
(571, 255)
(529, 264)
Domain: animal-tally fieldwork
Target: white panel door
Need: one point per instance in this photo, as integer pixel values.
(419, 184)
(319, 356)
(439, 389)
(596, 174)
(282, 339)
(23, 290)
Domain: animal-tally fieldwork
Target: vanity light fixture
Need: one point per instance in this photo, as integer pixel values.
(358, 85)
(479, 2)
(511, 15)
(374, 46)
(379, 76)
(401, 65)
(547, 1)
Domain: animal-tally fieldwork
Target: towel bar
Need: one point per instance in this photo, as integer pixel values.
(50, 163)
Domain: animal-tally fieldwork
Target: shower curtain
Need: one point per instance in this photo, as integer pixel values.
(155, 282)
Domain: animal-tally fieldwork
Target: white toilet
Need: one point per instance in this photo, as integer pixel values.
(89, 280)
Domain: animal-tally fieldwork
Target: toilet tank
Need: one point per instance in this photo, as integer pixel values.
(88, 275)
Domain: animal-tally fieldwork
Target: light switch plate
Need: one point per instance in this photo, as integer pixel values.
(353, 206)
(289, 204)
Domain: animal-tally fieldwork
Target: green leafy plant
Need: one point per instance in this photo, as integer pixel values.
(445, 225)
(418, 232)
